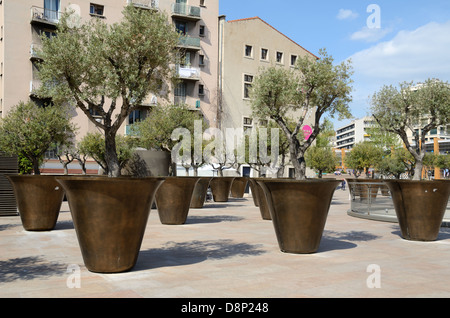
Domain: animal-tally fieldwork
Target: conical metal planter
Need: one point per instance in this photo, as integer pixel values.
(262, 201)
(238, 187)
(173, 199)
(299, 211)
(254, 188)
(200, 191)
(420, 207)
(220, 188)
(110, 216)
(39, 199)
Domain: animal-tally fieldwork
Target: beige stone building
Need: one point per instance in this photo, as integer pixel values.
(22, 22)
(245, 47)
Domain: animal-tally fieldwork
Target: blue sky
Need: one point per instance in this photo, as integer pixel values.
(411, 42)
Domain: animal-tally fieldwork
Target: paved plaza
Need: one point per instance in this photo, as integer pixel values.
(226, 250)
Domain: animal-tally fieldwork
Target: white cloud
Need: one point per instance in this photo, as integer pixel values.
(410, 56)
(345, 14)
(370, 34)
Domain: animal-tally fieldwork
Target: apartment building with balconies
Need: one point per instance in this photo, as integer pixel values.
(23, 22)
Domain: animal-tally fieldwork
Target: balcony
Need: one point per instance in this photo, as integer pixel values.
(34, 55)
(35, 85)
(188, 73)
(45, 16)
(145, 4)
(191, 43)
(186, 12)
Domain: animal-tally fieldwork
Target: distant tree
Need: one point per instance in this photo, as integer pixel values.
(442, 161)
(314, 88)
(92, 146)
(156, 131)
(321, 159)
(396, 162)
(364, 156)
(30, 130)
(108, 70)
(401, 111)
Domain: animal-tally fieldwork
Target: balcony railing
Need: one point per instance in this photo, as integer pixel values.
(145, 4)
(190, 73)
(34, 86)
(34, 48)
(190, 42)
(46, 16)
(186, 11)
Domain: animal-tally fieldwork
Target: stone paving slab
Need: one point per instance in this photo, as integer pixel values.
(226, 250)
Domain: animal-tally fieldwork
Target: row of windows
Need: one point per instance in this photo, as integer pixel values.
(264, 55)
(345, 129)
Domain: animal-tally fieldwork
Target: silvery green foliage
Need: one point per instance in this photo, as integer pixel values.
(411, 108)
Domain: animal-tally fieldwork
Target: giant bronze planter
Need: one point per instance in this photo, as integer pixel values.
(199, 194)
(220, 188)
(263, 204)
(238, 187)
(420, 207)
(39, 199)
(173, 199)
(367, 189)
(110, 216)
(254, 188)
(299, 211)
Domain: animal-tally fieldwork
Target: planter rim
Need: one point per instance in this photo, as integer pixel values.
(294, 180)
(414, 181)
(106, 178)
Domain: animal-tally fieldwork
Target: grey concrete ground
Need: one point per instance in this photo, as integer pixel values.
(226, 250)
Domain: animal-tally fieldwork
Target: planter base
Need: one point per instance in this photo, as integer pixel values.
(299, 210)
(199, 194)
(173, 199)
(39, 199)
(220, 187)
(110, 216)
(420, 207)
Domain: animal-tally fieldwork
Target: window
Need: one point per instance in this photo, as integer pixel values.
(248, 80)
(248, 121)
(202, 31)
(247, 124)
(181, 27)
(51, 9)
(293, 60)
(202, 3)
(96, 9)
(180, 93)
(135, 117)
(279, 57)
(201, 90)
(201, 60)
(248, 51)
(264, 54)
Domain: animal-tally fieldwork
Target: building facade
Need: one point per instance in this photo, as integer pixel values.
(357, 131)
(246, 46)
(23, 22)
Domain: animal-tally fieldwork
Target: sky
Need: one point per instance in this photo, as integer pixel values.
(388, 42)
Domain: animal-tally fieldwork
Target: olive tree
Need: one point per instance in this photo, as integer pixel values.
(159, 131)
(30, 130)
(364, 156)
(92, 146)
(315, 87)
(108, 70)
(412, 110)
